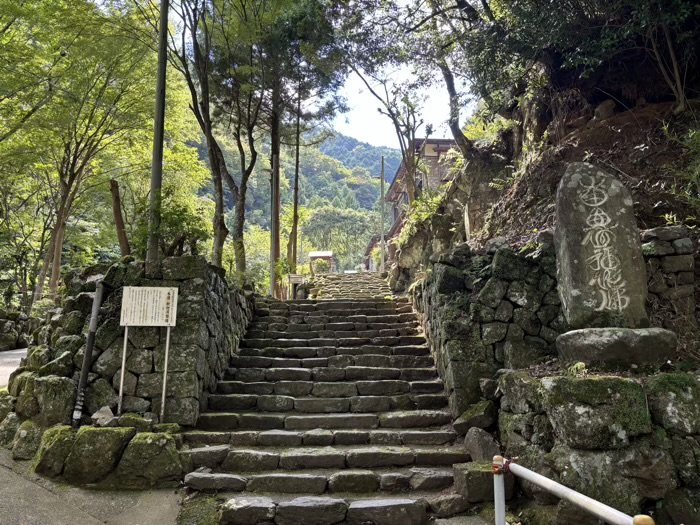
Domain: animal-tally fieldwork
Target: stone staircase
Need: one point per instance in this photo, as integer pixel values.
(332, 412)
(363, 285)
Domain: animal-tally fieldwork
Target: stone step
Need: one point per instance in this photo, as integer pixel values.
(347, 481)
(325, 405)
(377, 508)
(329, 374)
(242, 420)
(262, 314)
(336, 361)
(292, 302)
(321, 324)
(332, 389)
(304, 352)
(335, 341)
(361, 332)
(228, 458)
(277, 438)
(316, 318)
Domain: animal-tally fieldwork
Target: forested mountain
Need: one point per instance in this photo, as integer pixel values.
(357, 154)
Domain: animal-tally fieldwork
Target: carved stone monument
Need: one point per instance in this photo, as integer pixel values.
(601, 272)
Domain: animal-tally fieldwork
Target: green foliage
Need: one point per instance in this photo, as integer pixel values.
(420, 211)
(322, 266)
(354, 153)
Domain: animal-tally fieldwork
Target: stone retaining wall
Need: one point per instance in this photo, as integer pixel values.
(15, 330)
(631, 443)
(670, 254)
(212, 319)
(482, 313)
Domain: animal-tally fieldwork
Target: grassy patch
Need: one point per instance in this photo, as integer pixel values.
(203, 510)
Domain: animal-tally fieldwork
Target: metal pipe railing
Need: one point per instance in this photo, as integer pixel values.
(601, 511)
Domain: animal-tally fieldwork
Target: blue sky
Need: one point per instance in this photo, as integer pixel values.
(364, 122)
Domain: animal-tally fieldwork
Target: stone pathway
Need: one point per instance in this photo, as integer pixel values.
(28, 499)
(332, 412)
(365, 285)
(9, 361)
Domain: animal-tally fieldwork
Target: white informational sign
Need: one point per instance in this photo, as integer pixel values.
(149, 306)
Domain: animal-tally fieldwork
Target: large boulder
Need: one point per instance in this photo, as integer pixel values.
(149, 458)
(674, 402)
(600, 268)
(56, 444)
(56, 399)
(8, 429)
(622, 478)
(27, 440)
(683, 506)
(596, 412)
(95, 453)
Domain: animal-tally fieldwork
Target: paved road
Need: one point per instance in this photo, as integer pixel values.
(8, 362)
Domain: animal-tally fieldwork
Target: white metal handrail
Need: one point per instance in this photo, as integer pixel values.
(601, 511)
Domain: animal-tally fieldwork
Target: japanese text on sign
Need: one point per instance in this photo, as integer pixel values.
(149, 306)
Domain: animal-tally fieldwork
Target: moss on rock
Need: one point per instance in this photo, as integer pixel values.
(674, 402)
(596, 412)
(149, 458)
(27, 440)
(95, 453)
(56, 444)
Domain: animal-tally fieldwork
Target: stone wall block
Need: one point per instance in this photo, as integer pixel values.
(596, 412)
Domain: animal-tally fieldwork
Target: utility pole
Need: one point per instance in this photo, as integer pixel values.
(153, 253)
(383, 247)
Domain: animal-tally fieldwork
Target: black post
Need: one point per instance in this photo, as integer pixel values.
(87, 358)
(153, 255)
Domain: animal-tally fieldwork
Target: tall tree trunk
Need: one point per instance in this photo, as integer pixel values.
(275, 118)
(237, 233)
(292, 245)
(124, 247)
(61, 222)
(220, 229)
(466, 146)
(41, 279)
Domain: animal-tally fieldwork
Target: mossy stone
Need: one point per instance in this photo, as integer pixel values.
(135, 421)
(683, 506)
(167, 428)
(61, 366)
(96, 453)
(481, 415)
(55, 446)
(56, 399)
(7, 402)
(596, 412)
(27, 440)
(149, 458)
(674, 402)
(8, 429)
(100, 394)
(521, 393)
(27, 405)
(69, 343)
(73, 322)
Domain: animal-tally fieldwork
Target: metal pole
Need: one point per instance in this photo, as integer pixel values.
(121, 379)
(593, 507)
(499, 490)
(165, 374)
(87, 358)
(383, 247)
(153, 255)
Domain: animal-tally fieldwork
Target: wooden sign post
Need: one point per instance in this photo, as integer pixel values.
(148, 306)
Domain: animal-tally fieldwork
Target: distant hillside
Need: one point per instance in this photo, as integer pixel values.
(356, 154)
